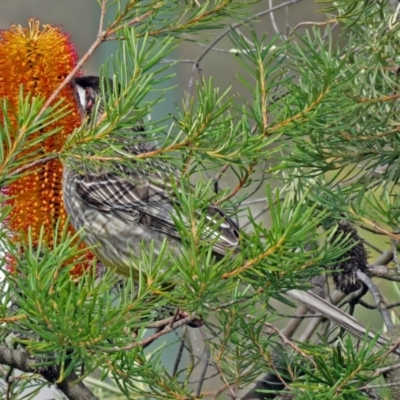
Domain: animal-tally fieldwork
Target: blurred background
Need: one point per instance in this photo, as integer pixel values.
(80, 19)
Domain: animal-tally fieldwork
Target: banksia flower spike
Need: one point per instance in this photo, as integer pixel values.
(39, 58)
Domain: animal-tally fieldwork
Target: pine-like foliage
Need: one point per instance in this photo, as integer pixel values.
(305, 160)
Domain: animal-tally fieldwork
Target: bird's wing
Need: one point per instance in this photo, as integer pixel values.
(147, 203)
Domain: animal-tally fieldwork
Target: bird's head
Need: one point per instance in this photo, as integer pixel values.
(88, 95)
(87, 90)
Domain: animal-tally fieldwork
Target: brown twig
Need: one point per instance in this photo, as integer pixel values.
(145, 342)
(378, 298)
(101, 37)
(381, 271)
(32, 164)
(71, 387)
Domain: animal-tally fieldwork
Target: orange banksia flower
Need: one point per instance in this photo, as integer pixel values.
(39, 58)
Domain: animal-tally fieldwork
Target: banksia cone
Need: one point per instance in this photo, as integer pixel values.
(355, 259)
(39, 58)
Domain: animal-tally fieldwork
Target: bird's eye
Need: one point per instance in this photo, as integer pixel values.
(90, 98)
(89, 104)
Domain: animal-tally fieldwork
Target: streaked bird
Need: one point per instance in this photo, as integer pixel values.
(124, 209)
